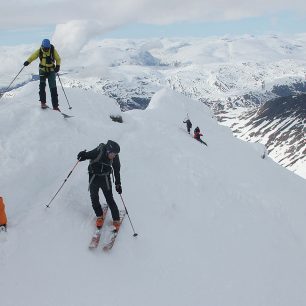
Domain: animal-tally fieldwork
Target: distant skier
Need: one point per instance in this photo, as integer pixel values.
(264, 153)
(197, 135)
(3, 219)
(103, 160)
(49, 65)
(188, 124)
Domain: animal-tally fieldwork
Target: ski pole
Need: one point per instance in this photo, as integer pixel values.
(1, 94)
(48, 205)
(135, 234)
(70, 107)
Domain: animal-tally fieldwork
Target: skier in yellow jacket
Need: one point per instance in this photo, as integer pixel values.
(49, 65)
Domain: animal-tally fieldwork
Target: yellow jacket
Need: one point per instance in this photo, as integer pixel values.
(45, 60)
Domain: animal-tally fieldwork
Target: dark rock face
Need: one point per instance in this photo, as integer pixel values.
(282, 123)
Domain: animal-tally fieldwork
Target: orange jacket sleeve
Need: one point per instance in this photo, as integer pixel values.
(3, 219)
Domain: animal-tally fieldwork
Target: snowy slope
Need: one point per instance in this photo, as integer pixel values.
(217, 225)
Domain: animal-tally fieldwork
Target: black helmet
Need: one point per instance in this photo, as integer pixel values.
(112, 147)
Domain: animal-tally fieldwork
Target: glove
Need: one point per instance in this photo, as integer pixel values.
(57, 68)
(118, 188)
(82, 156)
(26, 63)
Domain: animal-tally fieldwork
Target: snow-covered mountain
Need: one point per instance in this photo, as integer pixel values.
(280, 124)
(229, 74)
(217, 225)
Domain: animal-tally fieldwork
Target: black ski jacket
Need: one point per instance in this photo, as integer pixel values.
(188, 122)
(103, 165)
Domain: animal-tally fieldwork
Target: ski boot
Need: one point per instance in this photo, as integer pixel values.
(116, 224)
(99, 222)
(43, 105)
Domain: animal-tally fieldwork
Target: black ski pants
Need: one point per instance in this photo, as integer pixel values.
(103, 182)
(43, 76)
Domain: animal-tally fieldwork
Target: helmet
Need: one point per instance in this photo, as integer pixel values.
(46, 43)
(112, 147)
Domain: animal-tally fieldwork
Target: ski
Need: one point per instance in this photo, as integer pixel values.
(114, 233)
(97, 234)
(63, 114)
(66, 116)
(95, 239)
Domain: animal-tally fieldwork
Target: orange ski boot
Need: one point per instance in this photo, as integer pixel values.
(116, 224)
(99, 222)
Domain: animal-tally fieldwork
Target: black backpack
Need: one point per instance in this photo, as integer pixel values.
(97, 163)
(50, 58)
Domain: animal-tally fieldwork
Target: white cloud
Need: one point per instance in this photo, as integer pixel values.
(78, 21)
(73, 35)
(118, 12)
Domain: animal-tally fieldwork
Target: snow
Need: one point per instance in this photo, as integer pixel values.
(217, 225)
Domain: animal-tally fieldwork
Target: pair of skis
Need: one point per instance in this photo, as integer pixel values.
(95, 240)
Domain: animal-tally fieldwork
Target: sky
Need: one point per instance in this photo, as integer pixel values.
(146, 18)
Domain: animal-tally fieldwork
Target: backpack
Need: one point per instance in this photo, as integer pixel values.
(50, 58)
(101, 148)
(98, 160)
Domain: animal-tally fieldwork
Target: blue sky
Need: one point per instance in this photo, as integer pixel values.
(282, 23)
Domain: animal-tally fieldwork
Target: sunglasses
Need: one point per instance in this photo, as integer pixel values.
(46, 49)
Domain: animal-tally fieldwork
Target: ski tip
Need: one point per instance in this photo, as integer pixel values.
(66, 116)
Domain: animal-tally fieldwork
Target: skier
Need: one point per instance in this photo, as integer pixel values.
(3, 219)
(197, 135)
(49, 65)
(188, 124)
(103, 160)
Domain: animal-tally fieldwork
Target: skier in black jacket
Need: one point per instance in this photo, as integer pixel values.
(103, 160)
(188, 124)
